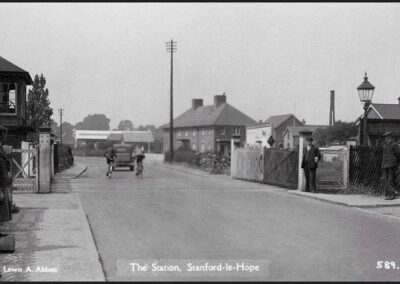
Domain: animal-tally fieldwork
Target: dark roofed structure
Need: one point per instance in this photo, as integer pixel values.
(381, 118)
(9, 69)
(385, 111)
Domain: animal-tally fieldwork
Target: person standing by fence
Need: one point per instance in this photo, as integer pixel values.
(5, 180)
(309, 163)
(390, 166)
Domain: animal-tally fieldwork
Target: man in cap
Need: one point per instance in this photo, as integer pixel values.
(311, 157)
(390, 165)
(5, 181)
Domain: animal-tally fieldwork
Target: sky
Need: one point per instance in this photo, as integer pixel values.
(268, 58)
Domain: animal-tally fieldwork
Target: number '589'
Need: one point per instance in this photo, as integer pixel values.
(386, 265)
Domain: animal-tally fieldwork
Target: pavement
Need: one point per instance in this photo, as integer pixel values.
(53, 240)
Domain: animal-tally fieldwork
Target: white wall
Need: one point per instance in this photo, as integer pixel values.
(261, 133)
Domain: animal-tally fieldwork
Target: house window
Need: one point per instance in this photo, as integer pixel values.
(202, 148)
(186, 133)
(203, 132)
(8, 98)
(209, 146)
(223, 132)
(194, 133)
(194, 146)
(210, 132)
(236, 131)
(179, 133)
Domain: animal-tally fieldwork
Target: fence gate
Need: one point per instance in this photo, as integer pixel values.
(24, 169)
(247, 164)
(332, 172)
(365, 167)
(281, 167)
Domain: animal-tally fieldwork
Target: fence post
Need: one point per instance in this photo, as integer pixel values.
(233, 158)
(346, 167)
(45, 160)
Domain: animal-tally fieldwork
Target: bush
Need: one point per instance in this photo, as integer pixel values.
(210, 161)
(180, 156)
(65, 157)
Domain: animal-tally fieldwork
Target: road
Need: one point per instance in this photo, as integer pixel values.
(173, 215)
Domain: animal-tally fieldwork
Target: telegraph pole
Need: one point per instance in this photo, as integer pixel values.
(60, 111)
(171, 48)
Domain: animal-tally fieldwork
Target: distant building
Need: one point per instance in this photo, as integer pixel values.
(82, 137)
(274, 127)
(380, 119)
(291, 135)
(208, 127)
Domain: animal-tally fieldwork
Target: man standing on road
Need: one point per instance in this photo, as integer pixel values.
(311, 157)
(390, 166)
(110, 156)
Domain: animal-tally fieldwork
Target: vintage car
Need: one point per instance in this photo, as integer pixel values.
(124, 157)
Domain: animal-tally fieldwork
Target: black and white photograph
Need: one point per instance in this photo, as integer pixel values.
(157, 141)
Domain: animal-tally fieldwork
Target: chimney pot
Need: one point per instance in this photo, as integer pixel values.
(219, 100)
(197, 103)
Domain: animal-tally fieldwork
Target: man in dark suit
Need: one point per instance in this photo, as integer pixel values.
(390, 166)
(311, 157)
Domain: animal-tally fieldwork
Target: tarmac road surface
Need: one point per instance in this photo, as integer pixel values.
(179, 217)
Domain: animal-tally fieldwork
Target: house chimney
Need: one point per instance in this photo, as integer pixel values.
(197, 103)
(219, 100)
(332, 109)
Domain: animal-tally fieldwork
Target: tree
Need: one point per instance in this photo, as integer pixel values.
(67, 129)
(94, 122)
(338, 133)
(125, 125)
(157, 132)
(38, 110)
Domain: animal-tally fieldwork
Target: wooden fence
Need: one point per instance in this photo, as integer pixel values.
(247, 164)
(281, 167)
(365, 167)
(271, 166)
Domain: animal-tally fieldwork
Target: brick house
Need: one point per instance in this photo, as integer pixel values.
(274, 126)
(380, 119)
(13, 83)
(208, 127)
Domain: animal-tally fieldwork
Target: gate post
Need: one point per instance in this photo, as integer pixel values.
(44, 160)
(235, 143)
(303, 134)
(346, 167)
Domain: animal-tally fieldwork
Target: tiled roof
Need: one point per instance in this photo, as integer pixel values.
(6, 67)
(295, 130)
(386, 111)
(224, 114)
(137, 136)
(277, 120)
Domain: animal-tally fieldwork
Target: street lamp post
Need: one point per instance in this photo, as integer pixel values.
(365, 92)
